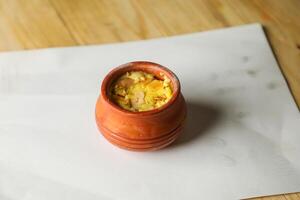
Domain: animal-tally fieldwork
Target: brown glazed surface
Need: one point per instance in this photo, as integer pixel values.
(140, 131)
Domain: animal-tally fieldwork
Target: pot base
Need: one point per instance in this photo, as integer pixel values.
(142, 145)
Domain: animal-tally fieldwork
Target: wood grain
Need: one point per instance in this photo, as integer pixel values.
(34, 24)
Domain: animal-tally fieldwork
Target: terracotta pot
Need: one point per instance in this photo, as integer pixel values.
(140, 131)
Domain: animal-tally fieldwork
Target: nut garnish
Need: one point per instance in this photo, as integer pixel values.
(139, 91)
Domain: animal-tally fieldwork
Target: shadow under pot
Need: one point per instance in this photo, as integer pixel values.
(145, 130)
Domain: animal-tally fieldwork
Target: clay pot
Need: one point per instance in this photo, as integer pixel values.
(140, 131)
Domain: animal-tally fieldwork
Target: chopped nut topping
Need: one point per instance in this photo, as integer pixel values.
(139, 91)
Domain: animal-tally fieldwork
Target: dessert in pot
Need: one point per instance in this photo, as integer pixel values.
(140, 107)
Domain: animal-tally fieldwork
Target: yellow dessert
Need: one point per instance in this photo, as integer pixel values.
(139, 91)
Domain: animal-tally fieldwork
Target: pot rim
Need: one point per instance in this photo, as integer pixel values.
(139, 66)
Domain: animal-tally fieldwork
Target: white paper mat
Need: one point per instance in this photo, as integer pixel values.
(243, 128)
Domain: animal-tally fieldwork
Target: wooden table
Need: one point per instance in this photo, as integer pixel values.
(31, 24)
